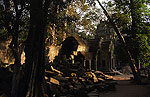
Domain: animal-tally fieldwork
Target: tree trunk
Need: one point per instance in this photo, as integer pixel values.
(17, 51)
(16, 77)
(16, 48)
(34, 50)
(135, 16)
(132, 64)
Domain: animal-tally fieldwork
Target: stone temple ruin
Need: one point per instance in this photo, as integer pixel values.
(100, 53)
(67, 61)
(97, 54)
(75, 68)
(79, 63)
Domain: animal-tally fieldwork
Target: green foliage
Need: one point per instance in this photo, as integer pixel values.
(71, 16)
(3, 34)
(144, 45)
(90, 16)
(3, 31)
(11, 17)
(59, 19)
(78, 17)
(129, 14)
(132, 17)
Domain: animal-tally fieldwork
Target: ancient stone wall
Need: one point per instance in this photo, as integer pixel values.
(6, 55)
(51, 51)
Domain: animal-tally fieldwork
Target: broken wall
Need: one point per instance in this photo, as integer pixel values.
(6, 55)
(51, 51)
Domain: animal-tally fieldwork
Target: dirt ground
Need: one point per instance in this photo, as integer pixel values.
(125, 88)
(128, 89)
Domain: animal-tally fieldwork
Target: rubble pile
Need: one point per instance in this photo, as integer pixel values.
(67, 75)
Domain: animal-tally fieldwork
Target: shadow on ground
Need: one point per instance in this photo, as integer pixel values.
(124, 88)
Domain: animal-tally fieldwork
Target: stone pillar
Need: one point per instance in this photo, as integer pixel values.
(84, 63)
(113, 64)
(96, 63)
(110, 68)
(90, 64)
(109, 62)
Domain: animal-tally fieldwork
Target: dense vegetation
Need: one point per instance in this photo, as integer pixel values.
(29, 23)
(132, 17)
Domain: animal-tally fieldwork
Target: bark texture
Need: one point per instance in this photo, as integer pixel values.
(34, 51)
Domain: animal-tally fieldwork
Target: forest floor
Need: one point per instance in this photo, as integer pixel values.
(125, 88)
